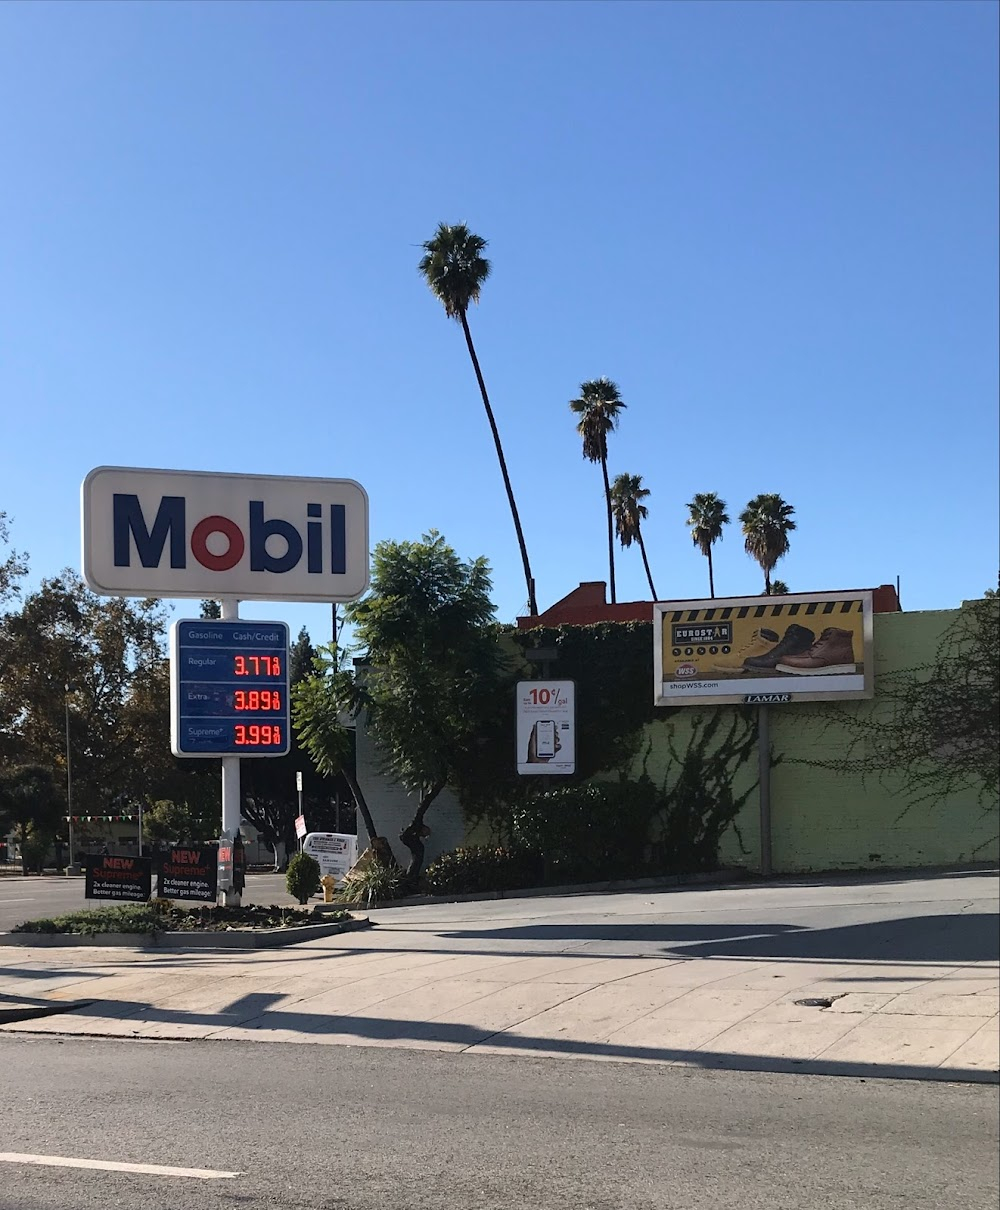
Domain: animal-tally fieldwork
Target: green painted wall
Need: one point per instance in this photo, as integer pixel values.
(825, 820)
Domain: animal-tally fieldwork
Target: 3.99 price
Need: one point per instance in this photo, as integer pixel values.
(266, 735)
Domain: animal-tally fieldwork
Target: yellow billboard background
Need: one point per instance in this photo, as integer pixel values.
(809, 646)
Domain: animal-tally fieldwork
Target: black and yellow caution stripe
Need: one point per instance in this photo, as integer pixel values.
(803, 609)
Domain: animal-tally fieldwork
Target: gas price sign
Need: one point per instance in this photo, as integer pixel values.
(228, 688)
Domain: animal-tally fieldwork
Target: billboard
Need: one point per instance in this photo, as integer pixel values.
(159, 533)
(803, 648)
(546, 727)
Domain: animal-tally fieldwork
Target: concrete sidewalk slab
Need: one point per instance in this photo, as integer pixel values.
(692, 985)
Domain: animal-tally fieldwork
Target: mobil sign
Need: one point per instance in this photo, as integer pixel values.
(194, 534)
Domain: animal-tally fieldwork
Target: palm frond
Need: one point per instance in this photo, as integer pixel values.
(598, 407)
(454, 267)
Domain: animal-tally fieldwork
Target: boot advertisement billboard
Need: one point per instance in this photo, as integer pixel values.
(804, 648)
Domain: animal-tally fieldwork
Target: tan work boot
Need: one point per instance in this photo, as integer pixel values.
(832, 652)
(759, 643)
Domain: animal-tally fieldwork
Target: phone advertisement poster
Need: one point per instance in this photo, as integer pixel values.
(807, 647)
(546, 727)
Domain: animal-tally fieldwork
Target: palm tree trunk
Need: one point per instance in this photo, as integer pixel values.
(529, 580)
(767, 582)
(611, 531)
(711, 577)
(645, 562)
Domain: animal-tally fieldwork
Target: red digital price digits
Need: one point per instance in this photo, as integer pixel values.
(256, 699)
(253, 736)
(256, 665)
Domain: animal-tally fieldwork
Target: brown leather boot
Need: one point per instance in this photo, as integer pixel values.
(833, 652)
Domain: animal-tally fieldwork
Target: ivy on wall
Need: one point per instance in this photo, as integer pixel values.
(605, 820)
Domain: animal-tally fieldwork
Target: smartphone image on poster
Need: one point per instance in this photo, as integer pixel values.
(545, 739)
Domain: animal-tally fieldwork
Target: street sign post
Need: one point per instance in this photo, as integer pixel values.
(226, 538)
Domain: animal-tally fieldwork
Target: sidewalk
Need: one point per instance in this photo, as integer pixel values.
(527, 979)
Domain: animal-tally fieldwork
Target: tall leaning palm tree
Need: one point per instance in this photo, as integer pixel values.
(767, 522)
(627, 494)
(598, 407)
(454, 267)
(706, 517)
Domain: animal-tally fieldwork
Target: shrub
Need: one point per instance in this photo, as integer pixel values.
(302, 877)
(374, 882)
(588, 832)
(483, 868)
(121, 918)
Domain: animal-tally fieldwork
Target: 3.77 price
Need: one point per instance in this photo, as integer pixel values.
(256, 665)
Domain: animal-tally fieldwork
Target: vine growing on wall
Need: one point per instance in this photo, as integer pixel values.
(605, 820)
(932, 730)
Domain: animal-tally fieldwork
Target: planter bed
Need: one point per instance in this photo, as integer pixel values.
(162, 926)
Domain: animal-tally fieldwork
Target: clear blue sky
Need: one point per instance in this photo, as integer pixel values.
(774, 225)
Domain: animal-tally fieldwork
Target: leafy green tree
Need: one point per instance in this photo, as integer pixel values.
(321, 703)
(598, 407)
(455, 269)
(433, 666)
(211, 610)
(30, 806)
(270, 797)
(627, 494)
(165, 821)
(12, 567)
(767, 522)
(103, 660)
(301, 658)
(706, 517)
(779, 588)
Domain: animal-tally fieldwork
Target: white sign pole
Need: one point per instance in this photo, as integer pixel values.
(229, 896)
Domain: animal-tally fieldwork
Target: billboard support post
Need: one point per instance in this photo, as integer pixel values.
(764, 785)
(229, 896)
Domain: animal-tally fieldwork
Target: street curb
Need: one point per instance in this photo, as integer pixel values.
(664, 882)
(237, 939)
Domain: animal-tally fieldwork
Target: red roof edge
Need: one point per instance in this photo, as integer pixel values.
(587, 604)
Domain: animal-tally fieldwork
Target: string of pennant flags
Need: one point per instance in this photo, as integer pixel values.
(100, 818)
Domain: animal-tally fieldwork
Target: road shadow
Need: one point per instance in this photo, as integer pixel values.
(946, 939)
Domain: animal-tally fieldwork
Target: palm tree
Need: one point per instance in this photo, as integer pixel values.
(454, 267)
(779, 588)
(598, 408)
(707, 516)
(767, 522)
(627, 493)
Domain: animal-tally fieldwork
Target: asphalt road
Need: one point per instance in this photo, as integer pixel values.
(356, 1129)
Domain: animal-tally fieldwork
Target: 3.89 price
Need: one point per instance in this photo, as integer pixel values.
(266, 735)
(256, 699)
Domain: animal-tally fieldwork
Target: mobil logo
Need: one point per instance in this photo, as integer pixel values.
(195, 534)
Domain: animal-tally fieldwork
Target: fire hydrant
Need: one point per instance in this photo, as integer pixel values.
(328, 882)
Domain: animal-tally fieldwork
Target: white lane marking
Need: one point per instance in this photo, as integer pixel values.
(60, 1161)
(19, 899)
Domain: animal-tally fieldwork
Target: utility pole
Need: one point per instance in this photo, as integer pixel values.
(69, 780)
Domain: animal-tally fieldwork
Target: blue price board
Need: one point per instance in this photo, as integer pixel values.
(228, 688)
